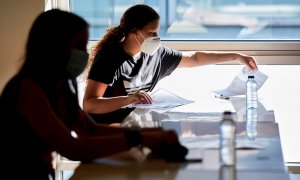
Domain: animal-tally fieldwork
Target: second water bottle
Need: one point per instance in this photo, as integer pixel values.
(227, 140)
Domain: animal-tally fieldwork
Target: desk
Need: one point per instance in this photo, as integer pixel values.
(196, 130)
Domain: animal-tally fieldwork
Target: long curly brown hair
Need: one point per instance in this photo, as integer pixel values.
(135, 17)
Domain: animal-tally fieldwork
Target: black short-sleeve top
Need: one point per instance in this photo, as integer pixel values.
(126, 75)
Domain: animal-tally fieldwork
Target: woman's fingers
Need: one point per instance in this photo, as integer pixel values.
(248, 60)
(147, 98)
(252, 64)
(143, 98)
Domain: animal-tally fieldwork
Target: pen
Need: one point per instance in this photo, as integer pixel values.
(221, 96)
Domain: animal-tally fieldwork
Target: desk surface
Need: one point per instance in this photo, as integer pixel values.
(196, 130)
(158, 170)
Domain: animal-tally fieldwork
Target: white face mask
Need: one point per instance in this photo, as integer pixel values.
(150, 45)
(77, 63)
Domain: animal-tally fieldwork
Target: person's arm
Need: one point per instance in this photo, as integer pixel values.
(206, 58)
(34, 106)
(94, 102)
(85, 125)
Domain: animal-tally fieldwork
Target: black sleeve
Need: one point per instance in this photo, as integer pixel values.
(104, 68)
(170, 60)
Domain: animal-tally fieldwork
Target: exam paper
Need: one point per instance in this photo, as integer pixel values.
(238, 84)
(162, 99)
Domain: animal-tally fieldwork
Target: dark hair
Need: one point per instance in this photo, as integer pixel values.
(135, 17)
(47, 49)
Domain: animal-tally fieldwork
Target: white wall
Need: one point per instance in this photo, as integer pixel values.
(16, 18)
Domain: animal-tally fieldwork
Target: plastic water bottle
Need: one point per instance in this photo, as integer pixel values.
(251, 123)
(251, 92)
(251, 107)
(227, 140)
(227, 173)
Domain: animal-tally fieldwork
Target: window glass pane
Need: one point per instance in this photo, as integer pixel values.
(203, 19)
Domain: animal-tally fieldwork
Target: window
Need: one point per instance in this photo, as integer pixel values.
(264, 28)
(203, 19)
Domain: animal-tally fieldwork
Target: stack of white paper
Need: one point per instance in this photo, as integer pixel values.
(162, 100)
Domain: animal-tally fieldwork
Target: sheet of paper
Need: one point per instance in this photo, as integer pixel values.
(240, 144)
(212, 142)
(238, 84)
(162, 100)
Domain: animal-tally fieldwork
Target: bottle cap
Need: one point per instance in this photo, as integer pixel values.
(227, 112)
(250, 76)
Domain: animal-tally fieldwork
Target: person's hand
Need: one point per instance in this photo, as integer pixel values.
(168, 147)
(139, 98)
(247, 60)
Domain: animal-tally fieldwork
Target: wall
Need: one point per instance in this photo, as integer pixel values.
(16, 18)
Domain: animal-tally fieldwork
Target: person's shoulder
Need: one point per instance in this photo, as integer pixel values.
(20, 86)
(115, 56)
(13, 84)
(28, 82)
(167, 50)
(112, 53)
(114, 49)
(29, 86)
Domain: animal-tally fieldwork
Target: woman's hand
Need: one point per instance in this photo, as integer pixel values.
(155, 137)
(165, 144)
(247, 60)
(139, 98)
